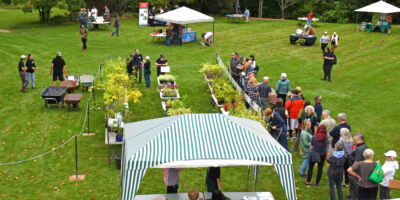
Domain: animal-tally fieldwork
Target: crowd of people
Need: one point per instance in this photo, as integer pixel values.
(322, 140)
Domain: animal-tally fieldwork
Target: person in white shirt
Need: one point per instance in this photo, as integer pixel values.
(324, 41)
(207, 38)
(389, 170)
(334, 41)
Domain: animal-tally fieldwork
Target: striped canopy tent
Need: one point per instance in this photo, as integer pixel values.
(200, 140)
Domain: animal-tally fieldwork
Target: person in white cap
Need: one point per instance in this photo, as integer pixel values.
(58, 68)
(389, 169)
(147, 71)
(22, 73)
(324, 41)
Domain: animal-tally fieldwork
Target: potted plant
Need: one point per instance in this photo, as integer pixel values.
(166, 79)
(212, 71)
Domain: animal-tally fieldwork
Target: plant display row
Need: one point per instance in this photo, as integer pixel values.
(118, 94)
(169, 93)
(221, 87)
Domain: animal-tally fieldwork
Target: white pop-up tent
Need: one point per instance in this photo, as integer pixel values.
(200, 140)
(183, 16)
(381, 7)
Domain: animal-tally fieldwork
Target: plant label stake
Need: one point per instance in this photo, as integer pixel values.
(76, 177)
(88, 120)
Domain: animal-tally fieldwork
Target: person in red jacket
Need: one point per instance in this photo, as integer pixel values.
(309, 18)
(294, 105)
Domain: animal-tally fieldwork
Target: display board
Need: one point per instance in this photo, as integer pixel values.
(143, 13)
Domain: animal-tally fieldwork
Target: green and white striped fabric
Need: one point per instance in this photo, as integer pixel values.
(189, 137)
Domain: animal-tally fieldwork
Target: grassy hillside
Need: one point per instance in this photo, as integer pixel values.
(364, 86)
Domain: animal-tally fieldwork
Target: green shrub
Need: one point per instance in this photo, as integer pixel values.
(27, 9)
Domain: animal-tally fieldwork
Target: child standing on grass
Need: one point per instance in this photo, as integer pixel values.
(116, 25)
(84, 34)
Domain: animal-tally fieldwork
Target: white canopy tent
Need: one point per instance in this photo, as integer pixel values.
(379, 7)
(200, 140)
(183, 16)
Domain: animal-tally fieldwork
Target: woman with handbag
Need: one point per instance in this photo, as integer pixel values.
(319, 147)
(362, 171)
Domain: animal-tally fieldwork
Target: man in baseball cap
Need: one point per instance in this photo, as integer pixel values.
(22, 73)
(389, 169)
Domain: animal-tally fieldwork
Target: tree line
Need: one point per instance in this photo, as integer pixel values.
(339, 11)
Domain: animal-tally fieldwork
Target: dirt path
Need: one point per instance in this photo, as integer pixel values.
(4, 31)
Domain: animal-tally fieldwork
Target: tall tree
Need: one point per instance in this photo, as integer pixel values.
(260, 8)
(43, 6)
(284, 4)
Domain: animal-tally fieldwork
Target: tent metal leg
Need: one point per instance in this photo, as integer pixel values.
(256, 169)
(213, 33)
(248, 178)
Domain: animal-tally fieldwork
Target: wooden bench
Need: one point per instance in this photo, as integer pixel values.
(73, 99)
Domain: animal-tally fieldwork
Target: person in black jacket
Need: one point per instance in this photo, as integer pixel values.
(335, 132)
(318, 107)
(277, 127)
(329, 61)
(336, 170)
(137, 61)
(356, 156)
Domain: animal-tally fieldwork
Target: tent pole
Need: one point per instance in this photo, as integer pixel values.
(357, 22)
(248, 178)
(213, 33)
(255, 177)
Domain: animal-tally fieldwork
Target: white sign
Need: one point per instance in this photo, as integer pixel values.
(143, 16)
(165, 69)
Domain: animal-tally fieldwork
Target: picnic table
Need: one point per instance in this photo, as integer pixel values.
(73, 99)
(235, 17)
(70, 84)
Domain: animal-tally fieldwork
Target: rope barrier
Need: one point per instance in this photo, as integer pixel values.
(68, 140)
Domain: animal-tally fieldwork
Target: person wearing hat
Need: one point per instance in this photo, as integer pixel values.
(283, 87)
(147, 71)
(294, 105)
(58, 68)
(389, 169)
(160, 62)
(22, 73)
(324, 41)
(318, 107)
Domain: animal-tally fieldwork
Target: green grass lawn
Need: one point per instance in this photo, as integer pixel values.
(364, 86)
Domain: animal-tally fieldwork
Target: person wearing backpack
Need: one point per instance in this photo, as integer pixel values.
(335, 171)
(329, 61)
(319, 148)
(368, 189)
